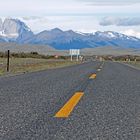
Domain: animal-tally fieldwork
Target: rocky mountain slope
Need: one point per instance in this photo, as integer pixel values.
(14, 30)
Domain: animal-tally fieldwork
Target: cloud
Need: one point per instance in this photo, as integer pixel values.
(107, 21)
(110, 2)
(31, 18)
(76, 23)
(131, 32)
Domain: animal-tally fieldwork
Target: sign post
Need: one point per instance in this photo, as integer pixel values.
(78, 53)
(74, 52)
(71, 57)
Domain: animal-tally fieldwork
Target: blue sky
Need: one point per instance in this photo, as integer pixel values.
(79, 15)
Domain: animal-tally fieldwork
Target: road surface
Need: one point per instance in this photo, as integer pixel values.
(90, 101)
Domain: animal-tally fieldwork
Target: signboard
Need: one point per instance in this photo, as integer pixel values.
(74, 52)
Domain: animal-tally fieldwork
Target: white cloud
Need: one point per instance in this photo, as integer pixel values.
(125, 21)
(110, 2)
(78, 15)
(62, 22)
(73, 7)
(131, 32)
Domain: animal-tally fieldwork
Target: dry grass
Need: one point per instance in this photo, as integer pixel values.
(20, 65)
(133, 63)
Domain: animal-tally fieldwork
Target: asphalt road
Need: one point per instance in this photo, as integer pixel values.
(108, 110)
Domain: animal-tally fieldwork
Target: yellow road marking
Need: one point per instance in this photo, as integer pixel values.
(65, 111)
(93, 76)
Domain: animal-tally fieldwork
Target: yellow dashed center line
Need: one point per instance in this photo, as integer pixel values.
(93, 76)
(65, 111)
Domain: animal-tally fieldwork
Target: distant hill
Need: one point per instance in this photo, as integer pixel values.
(16, 31)
(48, 50)
(41, 49)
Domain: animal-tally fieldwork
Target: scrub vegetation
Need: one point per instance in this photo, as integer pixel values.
(29, 62)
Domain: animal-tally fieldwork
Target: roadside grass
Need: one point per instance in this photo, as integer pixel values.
(133, 63)
(23, 65)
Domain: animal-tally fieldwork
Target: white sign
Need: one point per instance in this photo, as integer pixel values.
(74, 52)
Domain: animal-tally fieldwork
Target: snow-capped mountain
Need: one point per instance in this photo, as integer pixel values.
(59, 39)
(111, 35)
(14, 30)
(0, 25)
(69, 39)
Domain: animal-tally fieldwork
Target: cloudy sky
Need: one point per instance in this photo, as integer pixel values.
(80, 15)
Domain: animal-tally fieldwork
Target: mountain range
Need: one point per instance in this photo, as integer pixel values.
(16, 31)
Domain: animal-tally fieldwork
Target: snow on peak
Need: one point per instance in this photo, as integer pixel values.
(12, 28)
(106, 34)
(111, 34)
(84, 34)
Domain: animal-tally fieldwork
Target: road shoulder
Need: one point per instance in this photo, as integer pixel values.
(129, 65)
